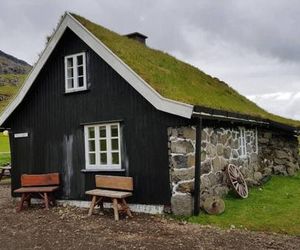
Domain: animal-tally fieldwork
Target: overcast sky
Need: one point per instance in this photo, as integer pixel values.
(253, 45)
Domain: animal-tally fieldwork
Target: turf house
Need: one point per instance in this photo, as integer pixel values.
(97, 102)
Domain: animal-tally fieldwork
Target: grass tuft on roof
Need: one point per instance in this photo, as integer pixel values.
(178, 80)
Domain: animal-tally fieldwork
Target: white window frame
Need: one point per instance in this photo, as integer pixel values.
(109, 150)
(243, 143)
(75, 73)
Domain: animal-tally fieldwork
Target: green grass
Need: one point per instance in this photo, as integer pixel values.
(274, 208)
(9, 89)
(177, 80)
(4, 147)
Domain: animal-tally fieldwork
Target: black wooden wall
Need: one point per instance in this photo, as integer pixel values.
(56, 141)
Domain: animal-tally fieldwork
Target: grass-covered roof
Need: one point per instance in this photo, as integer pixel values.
(178, 80)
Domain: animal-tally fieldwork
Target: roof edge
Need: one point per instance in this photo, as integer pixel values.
(242, 118)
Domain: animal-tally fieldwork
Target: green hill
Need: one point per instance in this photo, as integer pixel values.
(9, 86)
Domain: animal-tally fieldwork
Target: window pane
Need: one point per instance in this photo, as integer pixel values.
(80, 81)
(115, 158)
(103, 158)
(92, 132)
(103, 146)
(70, 62)
(92, 158)
(70, 83)
(70, 73)
(92, 145)
(80, 71)
(114, 144)
(114, 130)
(102, 131)
(79, 60)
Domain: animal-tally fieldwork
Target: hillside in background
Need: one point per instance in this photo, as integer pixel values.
(12, 74)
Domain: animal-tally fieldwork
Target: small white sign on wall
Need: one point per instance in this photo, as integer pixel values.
(21, 135)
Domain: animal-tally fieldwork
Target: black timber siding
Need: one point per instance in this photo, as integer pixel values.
(56, 140)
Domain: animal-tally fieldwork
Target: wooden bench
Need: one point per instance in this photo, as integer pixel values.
(116, 188)
(41, 185)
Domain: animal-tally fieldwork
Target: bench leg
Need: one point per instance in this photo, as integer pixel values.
(19, 209)
(116, 210)
(1, 174)
(93, 203)
(128, 212)
(99, 202)
(46, 201)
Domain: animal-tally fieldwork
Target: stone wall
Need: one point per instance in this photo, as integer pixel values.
(262, 156)
(278, 153)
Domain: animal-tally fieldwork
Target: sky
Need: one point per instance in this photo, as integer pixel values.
(253, 45)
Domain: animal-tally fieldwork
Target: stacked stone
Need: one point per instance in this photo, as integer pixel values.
(182, 142)
(219, 147)
(279, 153)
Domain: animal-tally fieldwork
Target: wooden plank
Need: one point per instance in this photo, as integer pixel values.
(114, 182)
(109, 193)
(36, 189)
(39, 179)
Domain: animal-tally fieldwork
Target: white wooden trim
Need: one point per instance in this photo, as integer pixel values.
(159, 102)
(75, 73)
(97, 165)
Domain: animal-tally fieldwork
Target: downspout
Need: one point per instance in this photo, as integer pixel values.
(197, 181)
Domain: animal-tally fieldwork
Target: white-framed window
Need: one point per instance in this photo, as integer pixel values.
(243, 143)
(75, 72)
(102, 146)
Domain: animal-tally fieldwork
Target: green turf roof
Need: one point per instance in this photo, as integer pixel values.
(178, 80)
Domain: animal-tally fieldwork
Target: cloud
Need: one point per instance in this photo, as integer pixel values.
(281, 103)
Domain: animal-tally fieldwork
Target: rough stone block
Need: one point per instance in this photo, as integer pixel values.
(220, 190)
(227, 152)
(182, 204)
(280, 170)
(281, 154)
(220, 149)
(205, 182)
(182, 174)
(257, 176)
(180, 161)
(189, 133)
(186, 187)
(263, 140)
(211, 150)
(205, 167)
(182, 147)
(290, 171)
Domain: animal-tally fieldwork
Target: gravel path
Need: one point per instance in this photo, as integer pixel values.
(70, 228)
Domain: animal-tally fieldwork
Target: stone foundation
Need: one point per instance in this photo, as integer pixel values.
(259, 154)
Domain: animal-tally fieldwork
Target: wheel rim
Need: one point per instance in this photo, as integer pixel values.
(237, 181)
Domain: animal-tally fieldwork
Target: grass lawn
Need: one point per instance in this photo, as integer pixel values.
(4, 148)
(275, 207)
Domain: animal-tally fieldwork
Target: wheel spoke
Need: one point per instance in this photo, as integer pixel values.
(237, 181)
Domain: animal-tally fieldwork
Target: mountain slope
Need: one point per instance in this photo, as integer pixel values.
(13, 72)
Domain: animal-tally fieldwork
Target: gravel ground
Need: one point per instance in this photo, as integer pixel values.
(70, 228)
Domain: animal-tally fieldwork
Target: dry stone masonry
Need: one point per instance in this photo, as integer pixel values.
(258, 154)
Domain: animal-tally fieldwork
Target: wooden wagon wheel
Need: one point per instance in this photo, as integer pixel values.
(237, 181)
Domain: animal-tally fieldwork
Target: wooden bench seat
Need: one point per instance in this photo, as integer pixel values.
(43, 185)
(109, 193)
(116, 188)
(36, 189)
